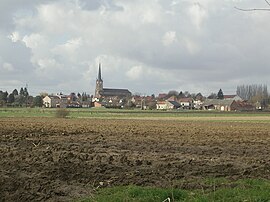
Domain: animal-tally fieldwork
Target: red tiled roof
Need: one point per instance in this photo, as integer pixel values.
(186, 99)
(229, 96)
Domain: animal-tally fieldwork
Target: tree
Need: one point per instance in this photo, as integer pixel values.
(21, 91)
(11, 98)
(220, 95)
(172, 93)
(25, 92)
(20, 100)
(3, 96)
(187, 94)
(212, 96)
(256, 9)
(84, 97)
(181, 95)
(199, 96)
(43, 94)
(73, 97)
(152, 105)
(15, 92)
(254, 93)
(38, 101)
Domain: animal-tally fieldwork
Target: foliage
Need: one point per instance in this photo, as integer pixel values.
(20, 100)
(172, 93)
(11, 98)
(61, 113)
(37, 101)
(152, 105)
(212, 96)
(220, 95)
(15, 92)
(3, 96)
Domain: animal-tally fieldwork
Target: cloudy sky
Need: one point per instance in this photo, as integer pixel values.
(146, 46)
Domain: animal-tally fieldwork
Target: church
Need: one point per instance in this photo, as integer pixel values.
(109, 93)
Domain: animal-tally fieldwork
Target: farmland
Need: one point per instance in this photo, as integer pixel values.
(46, 158)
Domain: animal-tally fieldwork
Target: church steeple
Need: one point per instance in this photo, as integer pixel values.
(99, 72)
(99, 83)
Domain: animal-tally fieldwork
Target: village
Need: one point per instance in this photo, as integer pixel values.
(123, 98)
(161, 102)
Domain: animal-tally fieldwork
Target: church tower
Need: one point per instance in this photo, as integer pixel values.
(99, 83)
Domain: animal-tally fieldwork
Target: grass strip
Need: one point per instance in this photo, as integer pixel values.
(247, 190)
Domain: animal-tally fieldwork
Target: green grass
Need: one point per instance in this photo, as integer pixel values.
(134, 114)
(248, 190)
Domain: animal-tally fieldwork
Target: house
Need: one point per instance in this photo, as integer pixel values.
(162, 96)
(51, 101)
(98, 104)
(172, 98)
(137, 101)
(244, 106)
(233, 97)
(186, 103)
(165, 105)
(220, 105)
(197, 104)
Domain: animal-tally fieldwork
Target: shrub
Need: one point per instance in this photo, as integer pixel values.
(61, 113)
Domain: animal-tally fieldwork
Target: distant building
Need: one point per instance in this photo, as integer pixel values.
(233, 97)
(186, 103)
(220, 105)
(109, 93)
(162, 96)
(165, 105)
(51, 101)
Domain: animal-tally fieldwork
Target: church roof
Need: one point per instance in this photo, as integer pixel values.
(115, 92)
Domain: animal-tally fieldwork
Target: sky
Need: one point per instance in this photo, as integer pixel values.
(147, 47)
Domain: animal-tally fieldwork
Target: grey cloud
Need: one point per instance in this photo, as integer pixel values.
(215, 45)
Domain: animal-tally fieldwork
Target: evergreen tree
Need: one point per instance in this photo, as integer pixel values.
(3, 96)
(11, 98)
(15, 92)
(21, 92)
(220, 95)
(25, 92)
(181, 95)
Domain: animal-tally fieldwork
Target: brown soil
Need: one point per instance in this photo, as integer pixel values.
(60, 160)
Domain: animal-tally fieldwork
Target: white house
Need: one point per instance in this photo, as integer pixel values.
(167, 105)
(51, 101)
(186, 103)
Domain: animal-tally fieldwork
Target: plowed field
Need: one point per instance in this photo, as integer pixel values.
(48, 159)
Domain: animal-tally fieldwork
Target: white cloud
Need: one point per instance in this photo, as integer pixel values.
(135, 73)
(198, 14)
(14, 37)
(8, 67)
(169, 38)
(34, 41)
(191, 46)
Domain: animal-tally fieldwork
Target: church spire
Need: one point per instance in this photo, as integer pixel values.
(99, 73)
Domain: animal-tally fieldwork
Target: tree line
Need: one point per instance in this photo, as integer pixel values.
(255, 93)
(19, 99)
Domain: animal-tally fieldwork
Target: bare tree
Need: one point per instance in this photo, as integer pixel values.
(255, 9)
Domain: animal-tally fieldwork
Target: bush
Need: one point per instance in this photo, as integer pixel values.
(61, 113)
